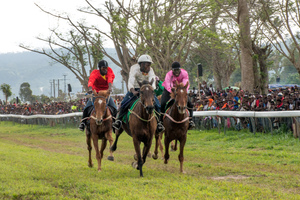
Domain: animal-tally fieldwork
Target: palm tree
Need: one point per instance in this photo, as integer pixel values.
(6, 91)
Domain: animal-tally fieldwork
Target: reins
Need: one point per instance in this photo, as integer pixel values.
(144, 120)
(139, 101)
(171, 118)
(106, 107)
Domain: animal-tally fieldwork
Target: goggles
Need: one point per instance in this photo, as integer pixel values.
(176, 69)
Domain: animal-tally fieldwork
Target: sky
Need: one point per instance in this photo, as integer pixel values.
(22, 21)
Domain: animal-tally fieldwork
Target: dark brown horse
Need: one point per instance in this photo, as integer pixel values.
(176, 122)
(100, 128)
(142, 124)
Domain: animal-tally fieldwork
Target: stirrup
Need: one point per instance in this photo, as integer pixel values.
(117, 124)
(191, 125)
(81, 126)
(160, 128)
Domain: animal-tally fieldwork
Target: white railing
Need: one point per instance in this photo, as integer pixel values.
(222, 113)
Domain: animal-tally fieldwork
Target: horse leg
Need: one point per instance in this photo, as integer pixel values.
(146, 149)
(167, 155)
(174, 146)
(114, 146)
(89, 147)
(98, 155)
(161, 148)
(180, 156)
(157, 138)
(103, 146)
(139, 164)
(111, 140)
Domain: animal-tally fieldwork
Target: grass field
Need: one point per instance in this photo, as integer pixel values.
(39, 162)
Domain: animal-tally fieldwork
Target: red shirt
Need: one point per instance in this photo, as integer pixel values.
(97, 82)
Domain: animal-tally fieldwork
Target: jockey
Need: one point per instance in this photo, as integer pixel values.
(181, 76)
(101, 79)
(138, 72)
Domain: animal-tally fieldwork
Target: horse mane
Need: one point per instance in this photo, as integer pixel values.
(145, 82)
(180, 85)
(102, 93)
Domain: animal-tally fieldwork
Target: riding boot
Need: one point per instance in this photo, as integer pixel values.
(83, 120)
(118, 123)
(191, 124)
(160, 127)
(82, 125)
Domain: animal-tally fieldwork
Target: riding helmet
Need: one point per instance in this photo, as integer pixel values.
(102, 63)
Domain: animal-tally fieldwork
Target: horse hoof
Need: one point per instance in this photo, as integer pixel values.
(111, 158)
(166, 162)
(134, 165)
(90, 165)
(154, 156)
(183, 172)
(99, 170)
(135, 157)
(149, 155)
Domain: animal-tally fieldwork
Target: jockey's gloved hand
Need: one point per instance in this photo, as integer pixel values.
(135, 93)
(90, 90)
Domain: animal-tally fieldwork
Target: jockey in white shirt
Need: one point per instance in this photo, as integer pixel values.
(138, 72)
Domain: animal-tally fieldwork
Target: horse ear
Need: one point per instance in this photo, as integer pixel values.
(107, 93)
(151, 82)
(140, 84)
(173, 90)
(187, 83)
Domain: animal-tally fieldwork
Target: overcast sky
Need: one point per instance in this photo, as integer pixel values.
(21, 21)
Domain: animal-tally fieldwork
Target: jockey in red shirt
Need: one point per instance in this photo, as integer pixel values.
(100, 79)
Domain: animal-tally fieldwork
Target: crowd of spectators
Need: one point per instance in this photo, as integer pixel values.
(278, 99)
(207, 98)
(53, 108)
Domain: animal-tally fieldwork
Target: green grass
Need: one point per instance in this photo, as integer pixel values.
(38, 162)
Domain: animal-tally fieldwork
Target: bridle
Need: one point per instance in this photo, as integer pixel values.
(139, 101)
(105, 111)
(185, 108)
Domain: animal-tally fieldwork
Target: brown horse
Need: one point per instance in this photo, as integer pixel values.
(100, 127)
(142, 124)
(176, 122)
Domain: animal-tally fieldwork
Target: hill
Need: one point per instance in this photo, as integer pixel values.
(38, 71)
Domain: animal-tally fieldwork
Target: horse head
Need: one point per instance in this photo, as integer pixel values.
(147, 95)
(100, 105)
(179, 93)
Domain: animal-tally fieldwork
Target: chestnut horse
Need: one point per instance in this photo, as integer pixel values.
(100, 127)
(142, 124)
(176, 122)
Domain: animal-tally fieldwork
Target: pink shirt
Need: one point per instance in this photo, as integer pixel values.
(170, 80)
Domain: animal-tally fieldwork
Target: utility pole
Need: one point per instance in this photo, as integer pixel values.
(54, 88)
(65, 91)
(50, 88)
(122, 86)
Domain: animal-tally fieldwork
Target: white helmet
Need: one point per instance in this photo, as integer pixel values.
(145, 58)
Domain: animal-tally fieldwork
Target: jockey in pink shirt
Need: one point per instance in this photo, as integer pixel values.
(181, 76)
(171, 79)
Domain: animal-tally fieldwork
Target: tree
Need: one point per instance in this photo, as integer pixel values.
(163, 29)
(242, 19)
(282, 27)
(74, 51)
(25, 92)
(6, 89)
